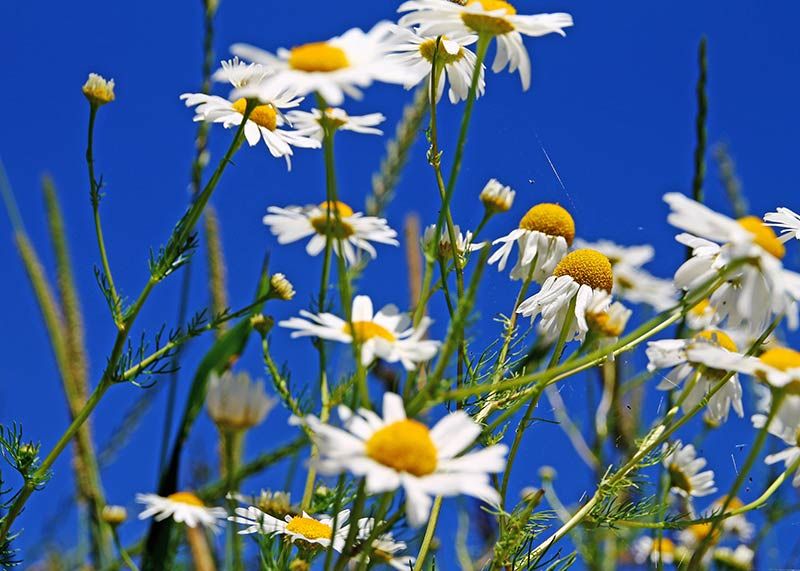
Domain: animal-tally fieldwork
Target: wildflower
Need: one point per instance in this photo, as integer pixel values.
(543, 237)
(396, 451)
(695, 534)
(708, 356)
(496, 18)
(335, 219)
(785, 425)
(312, 123)
(265, 122)
(114, 515)
(582, 280)
(310, 531)
(385, 549)
(755, 292)
(235, 402)
(443, 249)
(332, 68)
(702, 315)
(684, 468)
(414, 53)
(610, 321)
(631, 282)
(183, 507)
(281, 287)
(386, 334)
(98, 90)
(739, 559)
(241, 74)
(497, 197)
(736, 525)
(787, 220)
(645, 549)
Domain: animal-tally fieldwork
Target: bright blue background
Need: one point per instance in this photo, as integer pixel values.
(613, 105)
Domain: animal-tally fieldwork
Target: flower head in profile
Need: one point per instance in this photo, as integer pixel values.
(739, 559)
(387, 334)
(707, 356)
(543, 237)
(785, 424)
(310, 531)
(787, 220)
(497, 197)
(183, 507)
(631, 282)
(645, 549)
(98, 90)
(496, 18)
(684, 469)
(754, 293)
(266, 121)
(281, 287)
(443, 249)
(385, 549)
(608, 322)
(340, 66)
(415, 54)
(395, 451)
(351, 232)
(580, 281)
(235, 402)
(312, 122)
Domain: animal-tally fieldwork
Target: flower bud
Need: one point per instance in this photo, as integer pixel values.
(280, 287)
(496, 197)
(235, 402)
(98, 90)
(114, 515)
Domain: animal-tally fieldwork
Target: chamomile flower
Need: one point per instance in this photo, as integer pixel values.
(387, 334)
(753, 294)
(706, 355)
(786, 422)
(496, 18)
(385, 549)
(646, 549)
(631, 281)
(334, 68)
(183, 507)
(694, 535)
(497, 197)
(265, 122)
(353, 230)
(543, 237)
(787, 220)
(398, 452)
(684, 468)
(610, 321)
(235, 402)
(414, 53)
(310, 531)
(443, 249)
(582, 280)
(98, 90)
(240, 74)
(311, 122)
(736, 525)
(739, 559)
(702, 315)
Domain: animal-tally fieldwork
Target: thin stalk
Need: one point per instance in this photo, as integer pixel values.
(429, 531)
(123, 554)
(233, 443)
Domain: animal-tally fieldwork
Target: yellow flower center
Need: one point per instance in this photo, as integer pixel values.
(262, 115)
(309, 528)
(318, 56)
(493, 25)
(405, 446)
(326, 222)
(366, 330)
(603, 323)
(701, 530)
(664, 546)
(587, 267)
(428, 47)
(765, 236)
(718, 338)
(550, 219)
(700, 309)
(781, 358)
(187, 498)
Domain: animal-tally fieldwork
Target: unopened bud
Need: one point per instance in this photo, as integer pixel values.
(280, 287)
(98, 90)
(496, 197)
(114, 515)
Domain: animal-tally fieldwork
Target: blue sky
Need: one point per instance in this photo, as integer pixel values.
(606, 129)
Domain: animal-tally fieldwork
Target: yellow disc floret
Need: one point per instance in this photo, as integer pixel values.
(187, 498)
(405, 446)
(309, 528)
(366, 330)
(718, 338)
(262, 115)
(483, 23)
(550, 219)
(587, 267)
(764, 236)
(326, 222)
(781, 358)
(318, 56)
(443, 57)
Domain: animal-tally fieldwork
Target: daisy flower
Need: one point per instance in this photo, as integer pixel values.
(785, 425)
(631, 281)
(311, 122)
(778, 367)
(694, 535)
(414, 53)
(684, 468)
(609, 321)
(265, 122)
(497, 197)
(183, 507)
(646, 549)
(333, 68)
(543, 237)
(496, 18)
(708, 355)
(396, 451)
(385, 549)
(753, 294)
(351, 231)
(736, 525)
(582, 280)
(787, 220)
(235, 402)
(387, 334)
(702, 316)
(739, 559)
(443, 249)
(311, 531)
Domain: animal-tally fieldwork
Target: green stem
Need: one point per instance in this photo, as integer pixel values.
(233, 443)
(429, 531)
(126, 559)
